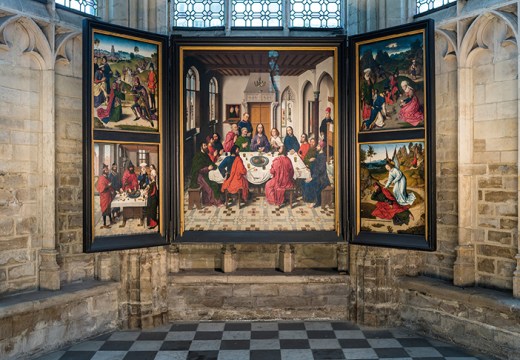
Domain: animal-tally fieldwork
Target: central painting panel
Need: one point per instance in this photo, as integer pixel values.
(259, 138)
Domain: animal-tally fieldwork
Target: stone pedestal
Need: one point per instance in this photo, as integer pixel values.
(342, 253)
(174, 261)
(286, 262)
(229, 262)
(104, 267)
(464, 267)
(49, 270)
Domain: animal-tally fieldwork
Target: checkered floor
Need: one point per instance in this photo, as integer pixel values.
(262, 340)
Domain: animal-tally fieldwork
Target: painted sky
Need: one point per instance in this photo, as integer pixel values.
(391, 46)
(380, 149)
(123, 44)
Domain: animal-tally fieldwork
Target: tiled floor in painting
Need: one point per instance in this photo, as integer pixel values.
(262, 340)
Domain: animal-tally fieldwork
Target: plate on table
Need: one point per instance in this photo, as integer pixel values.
(259, 160)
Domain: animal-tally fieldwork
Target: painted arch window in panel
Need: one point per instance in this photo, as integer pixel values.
(256, 13)
(86, 6)
(191, 98)
(198, 13)
(315, 13)
(213, 96)
(427, 5)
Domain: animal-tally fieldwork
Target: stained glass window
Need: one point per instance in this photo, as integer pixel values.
(86, 6)
(256, 13)
(427, 5)
(315, 13)
(198, 13)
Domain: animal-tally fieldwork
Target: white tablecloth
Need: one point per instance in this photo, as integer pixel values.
(259, 175)
(123, 201)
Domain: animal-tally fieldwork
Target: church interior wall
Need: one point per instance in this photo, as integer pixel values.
(477, 193)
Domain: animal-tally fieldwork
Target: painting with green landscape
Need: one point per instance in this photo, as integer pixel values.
(125, 83)
(391, 83)
(392, 188)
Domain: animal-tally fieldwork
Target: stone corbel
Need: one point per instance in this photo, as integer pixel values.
(174, 262)
(287, 261)
(229, 261)
(49, 270)
(342, 254)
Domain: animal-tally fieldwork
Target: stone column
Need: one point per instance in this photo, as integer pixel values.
(286, 262)
(516, 273)
(49, 269)
(174, 263)
(342, 254)
(464, 267)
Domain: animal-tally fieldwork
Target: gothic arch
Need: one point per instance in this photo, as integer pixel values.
(450, 37)
(24, 34)
(64, 52)
(323, 76)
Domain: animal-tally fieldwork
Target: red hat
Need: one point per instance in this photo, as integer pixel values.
(327, 110)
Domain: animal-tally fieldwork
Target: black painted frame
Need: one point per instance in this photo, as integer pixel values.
(119, 242)
(427, 134)
(262, 236)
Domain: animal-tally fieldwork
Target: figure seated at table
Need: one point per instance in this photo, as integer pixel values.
(282, 172)
(235, 173)
(200, 168)
(243, 141)
(260, 141)
(318, 181)
(275, 141)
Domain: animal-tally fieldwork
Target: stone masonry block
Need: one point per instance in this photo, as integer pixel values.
(501, 237)
(264, 290)
(496, 251)
(500, 196)
(486, 265)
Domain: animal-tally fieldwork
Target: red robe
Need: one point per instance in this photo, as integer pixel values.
(303, 150)
(384, 210)
(129, 181)
(237, 179)
(105, 194)
(283, 173)
(229, 141)
(211, 153)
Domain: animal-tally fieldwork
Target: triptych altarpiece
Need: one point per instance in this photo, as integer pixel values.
(272, 139)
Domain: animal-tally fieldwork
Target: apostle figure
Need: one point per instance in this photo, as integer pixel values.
(115, 180)
(411, 109)
(387, 206)
(152, 203)
(290, 142)
(106, 195)
(377, 112)
(304, 146)
(283, 178)
(243, 141)
(275, 141)
(260, 141)
(245, 123)
(200, 168)
(129, 182)
(212, 152)
(310, 156)
(318, 181)
(231, 137)
(143, 178)
(235, 174)
(217, 144)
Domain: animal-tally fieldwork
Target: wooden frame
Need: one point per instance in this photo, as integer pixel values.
(233, 113)
(191, 53)
(392, 137)
(123, 123)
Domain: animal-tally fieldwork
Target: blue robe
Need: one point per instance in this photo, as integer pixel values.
(245, 124)
(291, 143)
(396, 177)
(311, 191)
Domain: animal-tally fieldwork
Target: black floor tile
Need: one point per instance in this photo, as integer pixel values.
(175, 345)
(344, 326)
(208, 335)
(265, 355)
(452, 351)
(152, 336)
(202, 355)
(234, 345)
(384, 353)
(354, 343)
(116, 345)
(291, 326)
(328, 354)
(378, 334)
(184, 327)
(140, 355)
(414, 342)
(103, 337)
(294, 344)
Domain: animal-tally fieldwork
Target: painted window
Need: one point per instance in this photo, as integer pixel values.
(427, 5)
(86, 6)
(191, 94)
(315, 13)
(213, 95)
(198, 13)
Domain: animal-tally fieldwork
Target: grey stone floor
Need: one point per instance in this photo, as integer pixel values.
(284, 340)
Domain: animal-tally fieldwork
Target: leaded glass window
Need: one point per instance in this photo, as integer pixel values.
(213, 92)
(427, 5)
(191, 83)
(256, 13)
(315, 13)
(86, 6)
(198, 13)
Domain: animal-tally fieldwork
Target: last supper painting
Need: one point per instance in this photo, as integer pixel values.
(274, 167)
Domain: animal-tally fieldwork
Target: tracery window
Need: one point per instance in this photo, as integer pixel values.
(198, 13)
(315, 13)
(287, 107)
(86, 6)
(427, 5)
(256, 13)
(213, 93)
(191, 96)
